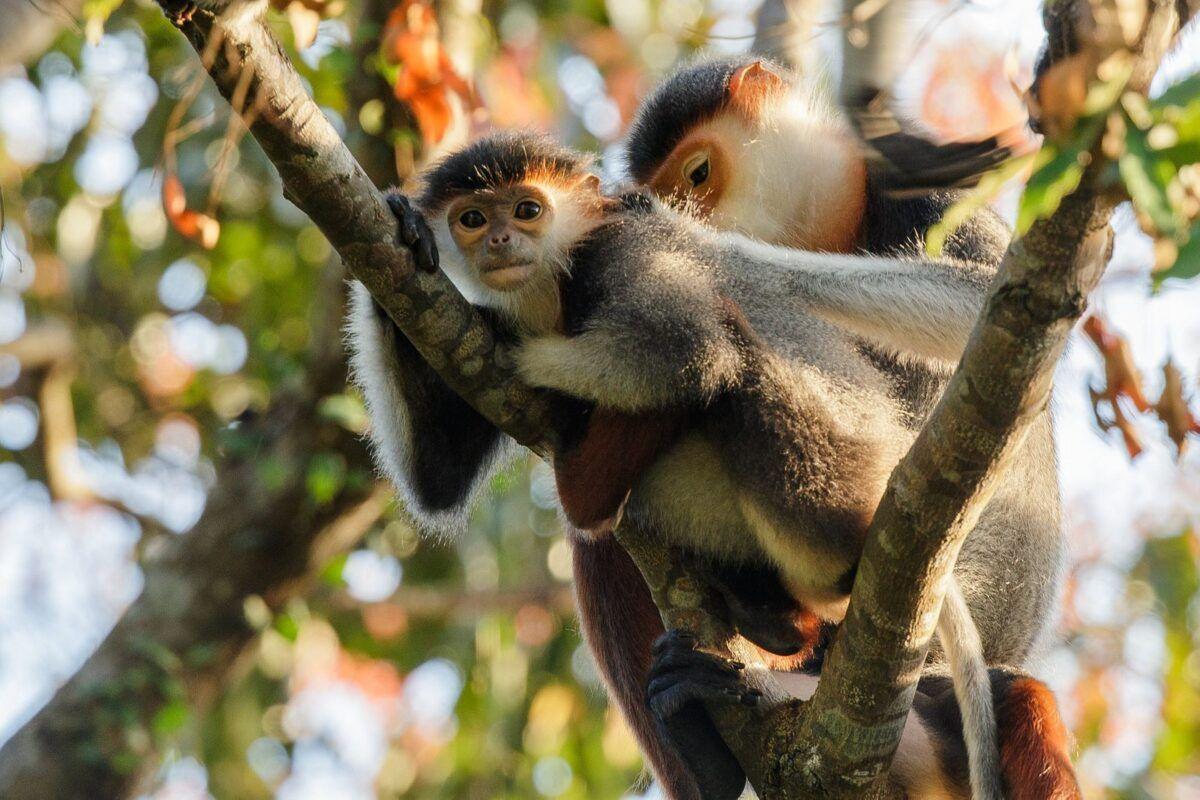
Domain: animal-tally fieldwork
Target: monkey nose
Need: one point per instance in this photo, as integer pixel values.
(499, 239)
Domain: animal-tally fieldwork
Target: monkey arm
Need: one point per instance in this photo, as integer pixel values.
(920, 309)
(658, 349)
(437, 450)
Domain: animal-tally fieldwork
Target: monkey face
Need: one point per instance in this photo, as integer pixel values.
(503, 233)
(696, 173)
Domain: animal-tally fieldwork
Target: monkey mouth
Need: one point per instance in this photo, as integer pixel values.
(506, 275)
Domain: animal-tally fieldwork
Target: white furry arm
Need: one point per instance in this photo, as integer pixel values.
(622, 372)
(438, 451)
(914, 308)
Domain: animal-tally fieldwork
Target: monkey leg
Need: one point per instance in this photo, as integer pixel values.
(620, 624)
(1034, 743)
(682, 679)
(595, 475)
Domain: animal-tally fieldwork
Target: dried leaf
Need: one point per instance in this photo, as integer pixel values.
(1129, 435)
(427, 80)
(1061, 92)
(304, 22)
(1121, 375)
(200, 228)
(1172, 407)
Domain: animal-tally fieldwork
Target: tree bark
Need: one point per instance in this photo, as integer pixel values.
(840, 744)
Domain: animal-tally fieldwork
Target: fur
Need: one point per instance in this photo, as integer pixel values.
(761, 470)
(913, 329)
(416, 420)
(1035, 746)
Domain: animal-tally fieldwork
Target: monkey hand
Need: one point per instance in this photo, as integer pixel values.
(179, 12)
(681, 680)
(413, 232)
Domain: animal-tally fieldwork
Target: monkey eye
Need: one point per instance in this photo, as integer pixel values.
(472, 219)
(527, 210)
(696, 170)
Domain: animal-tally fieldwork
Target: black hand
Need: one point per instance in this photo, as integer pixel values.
(414, 233)
(681, 679)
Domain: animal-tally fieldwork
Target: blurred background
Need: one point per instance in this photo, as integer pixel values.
(158, 297)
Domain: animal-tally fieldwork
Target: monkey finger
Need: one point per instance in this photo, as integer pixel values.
(427, 245)
(425, 254)
(406, 218)
(672, 639)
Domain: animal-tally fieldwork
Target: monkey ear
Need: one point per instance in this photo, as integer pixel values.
(750, 85)
(590, 182)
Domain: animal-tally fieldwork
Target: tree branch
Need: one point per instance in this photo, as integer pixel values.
(190, 616)
(846, 738)
(321, 177)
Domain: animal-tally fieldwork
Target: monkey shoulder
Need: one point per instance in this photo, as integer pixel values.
(632, 260)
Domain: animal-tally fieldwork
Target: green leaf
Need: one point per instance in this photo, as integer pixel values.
(1103, 95)
(1184, 93)
(287, 626)
(345, 410)
(326, 476)
(171, 718)
(1182, 154)
(1057, 171)
(1147, 176)
(331, 574)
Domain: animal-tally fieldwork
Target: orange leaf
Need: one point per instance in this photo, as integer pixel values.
(433, 113)
(174, 200)
(1172, 407)
(200, 228)
(427, 76)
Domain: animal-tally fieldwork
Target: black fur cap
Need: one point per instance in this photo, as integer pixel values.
(497, 160)
(693, 94)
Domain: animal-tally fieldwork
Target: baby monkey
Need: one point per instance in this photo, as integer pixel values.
(765, 451)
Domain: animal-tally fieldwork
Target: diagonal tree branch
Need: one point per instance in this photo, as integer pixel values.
(323, 179)
(845, 739)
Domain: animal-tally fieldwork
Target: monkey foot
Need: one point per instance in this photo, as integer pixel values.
(681, 680)
(413, 232)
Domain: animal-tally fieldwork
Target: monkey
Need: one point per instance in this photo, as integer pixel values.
(733, 388)
(747, 145)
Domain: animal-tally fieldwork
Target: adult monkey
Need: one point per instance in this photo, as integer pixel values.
(528, 238)
(748, 146)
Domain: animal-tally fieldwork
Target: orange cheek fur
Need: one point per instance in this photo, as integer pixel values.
(670, 184)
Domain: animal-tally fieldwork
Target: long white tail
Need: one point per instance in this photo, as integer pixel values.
(973, 690)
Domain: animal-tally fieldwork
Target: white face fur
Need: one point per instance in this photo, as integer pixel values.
(790, 174)
(507, 248)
